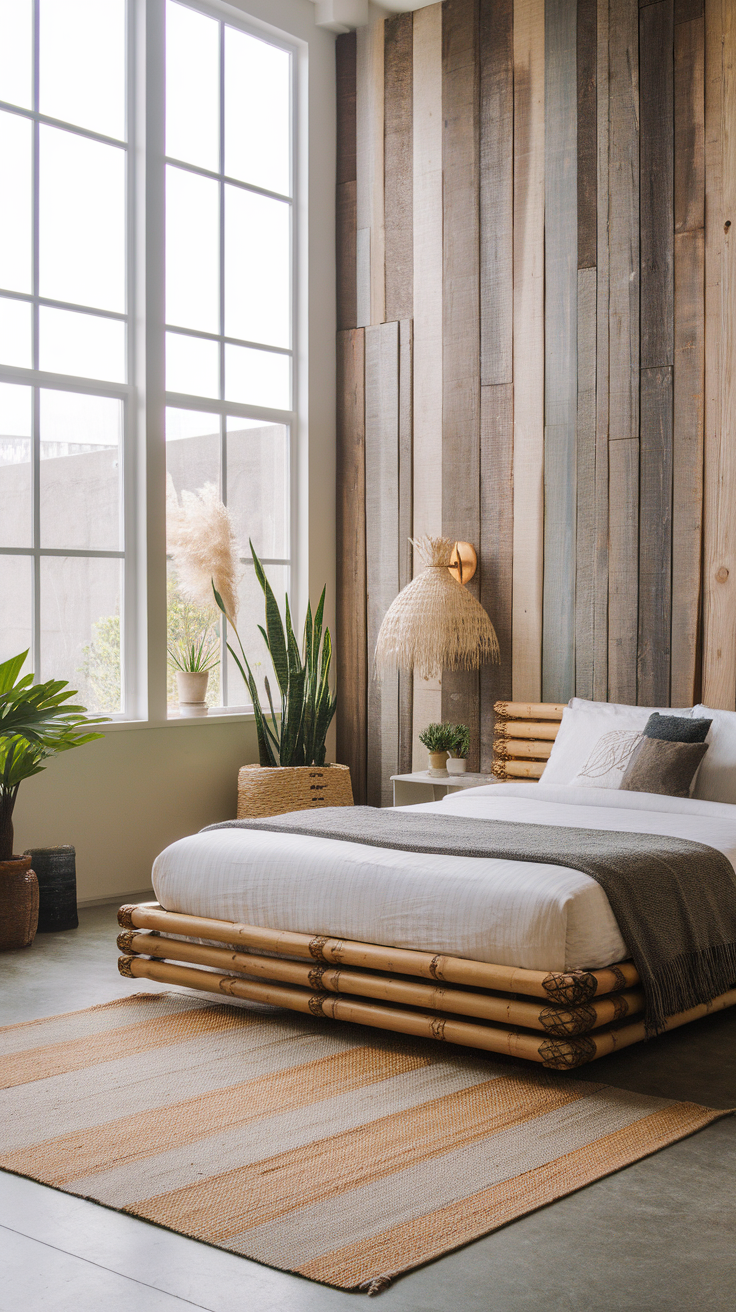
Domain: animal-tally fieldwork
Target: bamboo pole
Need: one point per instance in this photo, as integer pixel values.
(552, 1018)
(526, 729)
(570, 987)
(519, 769)
(554, 1053)
(505, 749)
(529, 710)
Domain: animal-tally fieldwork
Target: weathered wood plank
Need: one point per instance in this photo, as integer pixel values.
(496, 191)
(655, 537)
(427, 216)
(382, 547)
(496, 548)
(528, 348)
(370, 235)
(406, 494)
(561, 262)
(600, 608)
(346, 256)
(689, 125)
(685, 10)
(586, 537)
(656, 54)
(687, 459)
(351, 645)
(587, 132)
(345, 72)
(461, 318)
(346, 215)
(398, 186)
(719, 556)
(623, 281)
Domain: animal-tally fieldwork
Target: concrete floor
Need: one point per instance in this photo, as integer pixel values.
(657, 1237)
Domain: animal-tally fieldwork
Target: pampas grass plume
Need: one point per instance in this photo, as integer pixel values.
(201, 538)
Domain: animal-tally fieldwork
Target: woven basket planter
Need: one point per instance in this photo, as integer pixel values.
(264, 791)
(18, 903)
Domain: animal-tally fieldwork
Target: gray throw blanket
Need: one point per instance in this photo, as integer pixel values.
(674, 900)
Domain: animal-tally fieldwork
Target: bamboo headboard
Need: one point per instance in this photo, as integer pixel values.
(525, 732)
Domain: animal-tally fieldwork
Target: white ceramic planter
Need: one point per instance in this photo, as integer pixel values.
(456, 765)
(192, 690)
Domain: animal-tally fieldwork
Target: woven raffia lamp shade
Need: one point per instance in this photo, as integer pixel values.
(435, 624)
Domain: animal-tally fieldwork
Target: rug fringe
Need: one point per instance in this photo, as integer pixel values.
(376, 1285)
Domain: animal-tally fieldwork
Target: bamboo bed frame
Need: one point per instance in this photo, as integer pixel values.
(559, 1019)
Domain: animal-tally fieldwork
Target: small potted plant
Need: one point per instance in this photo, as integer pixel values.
(458, 758)
(193, 658)
(438, 740)
(36, 723)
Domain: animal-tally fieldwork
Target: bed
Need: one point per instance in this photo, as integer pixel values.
(510, 956)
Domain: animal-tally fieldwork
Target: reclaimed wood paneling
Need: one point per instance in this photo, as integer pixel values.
(460, 318)
(351, 646)
(655, 537)
(689, 382)
(586, 541)
(496, 191)
(405, 516)
(382, 547)
(427, 217)
(600, 606)
(528, 348)
(560, 393)
(624, 364)
(397, 166)
(587, 144)
(346, 214)
(719, 563)
(370, 259)
(496, 548)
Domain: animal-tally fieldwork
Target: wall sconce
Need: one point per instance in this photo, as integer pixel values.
(434, 623)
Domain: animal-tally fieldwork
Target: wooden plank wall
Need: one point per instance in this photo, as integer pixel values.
(537, 352)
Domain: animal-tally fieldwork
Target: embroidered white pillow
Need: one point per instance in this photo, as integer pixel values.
(595, 742)
(716, 778)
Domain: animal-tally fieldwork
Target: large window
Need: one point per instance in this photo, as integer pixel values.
(78, 358)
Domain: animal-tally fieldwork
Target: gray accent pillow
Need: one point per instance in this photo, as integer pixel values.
(676, 729)
(659, 766)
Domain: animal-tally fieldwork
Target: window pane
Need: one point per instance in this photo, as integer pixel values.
(82, 68)
(16, 52)
(15, 333)
(15, 466)
(258, 484)
(192, 365)
(250, 615)
(257, 268)
(192, 87)
(257, 377)
(192, 251)
(80, 471)
(81, 344)
(257, 112)
(80, 628)
(82, 229)
(16, 168)
(15, 606)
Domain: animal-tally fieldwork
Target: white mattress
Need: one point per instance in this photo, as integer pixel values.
(516, 913)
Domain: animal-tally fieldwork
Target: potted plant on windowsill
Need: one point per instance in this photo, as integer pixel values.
(292, 774)
(458, 758)
(193, 658)
(36, 723)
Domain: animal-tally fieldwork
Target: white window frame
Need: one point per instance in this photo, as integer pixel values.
(143, 602)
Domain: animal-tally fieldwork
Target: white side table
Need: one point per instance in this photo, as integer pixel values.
(411, 789)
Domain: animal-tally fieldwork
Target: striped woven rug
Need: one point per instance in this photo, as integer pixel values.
(339, 1152)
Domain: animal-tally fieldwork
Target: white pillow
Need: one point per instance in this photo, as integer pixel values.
(595, 741)
(716, 778)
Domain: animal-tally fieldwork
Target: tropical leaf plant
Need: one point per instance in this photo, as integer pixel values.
(296, 733)
(36, 723)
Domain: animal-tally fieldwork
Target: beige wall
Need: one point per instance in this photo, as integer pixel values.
(124, 798)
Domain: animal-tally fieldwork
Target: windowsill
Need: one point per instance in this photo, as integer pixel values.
(218, 715)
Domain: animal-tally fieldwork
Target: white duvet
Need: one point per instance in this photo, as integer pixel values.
(516, 913)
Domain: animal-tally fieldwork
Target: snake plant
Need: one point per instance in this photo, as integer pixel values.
(296, 735)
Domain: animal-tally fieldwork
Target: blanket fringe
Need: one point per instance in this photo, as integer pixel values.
(687, 981)
(375, 1285)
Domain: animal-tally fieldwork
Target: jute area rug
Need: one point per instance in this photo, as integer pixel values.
(343, 1153)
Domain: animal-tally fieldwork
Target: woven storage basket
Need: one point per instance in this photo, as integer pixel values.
(264, 791)
(18, 903)
(56, 873)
